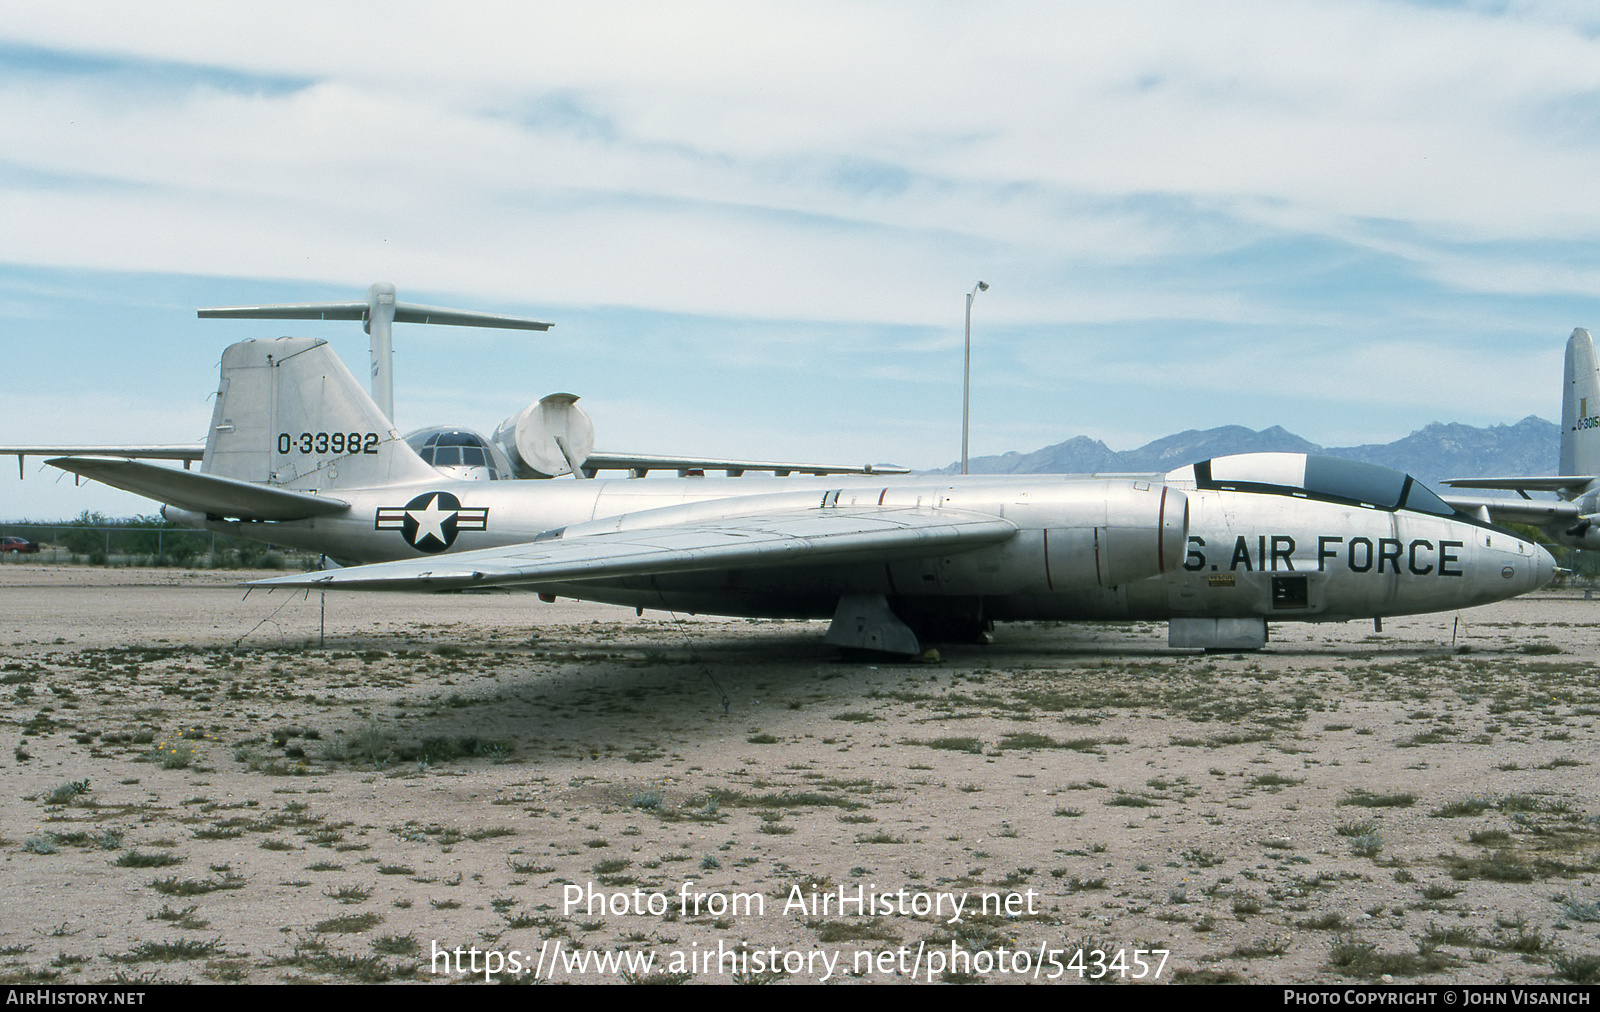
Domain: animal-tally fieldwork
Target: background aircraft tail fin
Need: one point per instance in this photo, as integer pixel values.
(289, 413)
(1580, 407)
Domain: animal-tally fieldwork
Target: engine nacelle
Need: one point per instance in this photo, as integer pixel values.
(1582, 533)
(547, 439)
(1144, 533)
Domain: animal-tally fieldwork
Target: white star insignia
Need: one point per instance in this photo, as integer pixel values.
(430, 520)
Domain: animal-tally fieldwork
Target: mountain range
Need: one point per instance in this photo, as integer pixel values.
(1440, 450)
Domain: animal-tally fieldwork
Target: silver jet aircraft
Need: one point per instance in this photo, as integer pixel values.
(298, 454)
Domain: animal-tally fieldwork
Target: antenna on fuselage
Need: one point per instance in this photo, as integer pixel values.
(377, 314)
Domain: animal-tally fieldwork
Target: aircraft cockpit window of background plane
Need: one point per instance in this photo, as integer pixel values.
(461, 453)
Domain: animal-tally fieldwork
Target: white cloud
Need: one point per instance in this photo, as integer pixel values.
(826, 180)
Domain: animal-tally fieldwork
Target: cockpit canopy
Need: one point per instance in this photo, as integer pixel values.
(1311, 476)
(460, 453)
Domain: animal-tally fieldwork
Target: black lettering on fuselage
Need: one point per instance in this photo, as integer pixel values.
(1323, 555)
(1241, 553)
(1389, 551)
(1446, 557)
(1425, 570)
(1366, 556)
(1275, 553)
(1282, 548)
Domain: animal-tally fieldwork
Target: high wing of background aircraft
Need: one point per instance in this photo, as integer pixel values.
(299, 455)
(550, 438)
(1570, 518)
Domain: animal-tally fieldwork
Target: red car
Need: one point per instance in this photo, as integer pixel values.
(17, 545)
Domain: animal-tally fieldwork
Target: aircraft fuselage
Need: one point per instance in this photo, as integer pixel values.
(1276, 555)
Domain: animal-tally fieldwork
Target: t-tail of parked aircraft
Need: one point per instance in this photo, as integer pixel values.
(1573, 519)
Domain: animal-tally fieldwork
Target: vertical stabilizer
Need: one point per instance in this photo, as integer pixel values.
(289, 413)
(1580, 407)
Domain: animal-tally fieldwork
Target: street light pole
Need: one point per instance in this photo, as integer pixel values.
(966, 374)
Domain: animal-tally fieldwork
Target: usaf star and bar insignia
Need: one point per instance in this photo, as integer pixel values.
(431, 521)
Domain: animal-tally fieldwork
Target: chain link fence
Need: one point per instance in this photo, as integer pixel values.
(97, 540)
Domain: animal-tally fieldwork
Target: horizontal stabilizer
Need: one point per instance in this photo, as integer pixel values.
(781, 538)
(202, 493)
(1553, 483)
(404, 312)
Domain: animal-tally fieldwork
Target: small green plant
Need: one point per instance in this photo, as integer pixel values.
(174, 886)
(396, 945)
(1465, 807)
(951, 744)
(184, 918)
(136, 859)
(1579, 969)
(1365, 800)
(647, 800)
(348, 894)
(1364, 828)
(173, 755)
(66, 792)
(1368, 845)
(167, 952)
(347, 924)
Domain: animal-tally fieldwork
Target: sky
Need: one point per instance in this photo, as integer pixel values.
(755, 225)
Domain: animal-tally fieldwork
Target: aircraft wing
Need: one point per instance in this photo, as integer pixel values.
(1553, 483)
(641, 464)
(1538, 512)
(752, 541)
(202, 493)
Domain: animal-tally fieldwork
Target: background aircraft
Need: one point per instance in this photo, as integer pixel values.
(298, 454)
(550, 438)
(1570, 519)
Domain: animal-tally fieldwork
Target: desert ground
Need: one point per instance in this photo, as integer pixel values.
(206, 786)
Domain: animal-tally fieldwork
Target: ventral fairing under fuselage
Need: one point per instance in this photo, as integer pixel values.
(299, 455)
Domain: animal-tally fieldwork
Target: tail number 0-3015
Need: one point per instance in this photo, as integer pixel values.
(328, 442)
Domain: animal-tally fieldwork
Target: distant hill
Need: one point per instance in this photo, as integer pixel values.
(1439, 450)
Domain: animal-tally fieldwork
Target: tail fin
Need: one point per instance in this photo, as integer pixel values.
(1580, 407)
(290, 414)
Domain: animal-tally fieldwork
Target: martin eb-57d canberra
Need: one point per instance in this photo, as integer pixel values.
(298, 454)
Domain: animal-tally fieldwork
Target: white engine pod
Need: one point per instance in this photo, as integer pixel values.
(535, 437)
